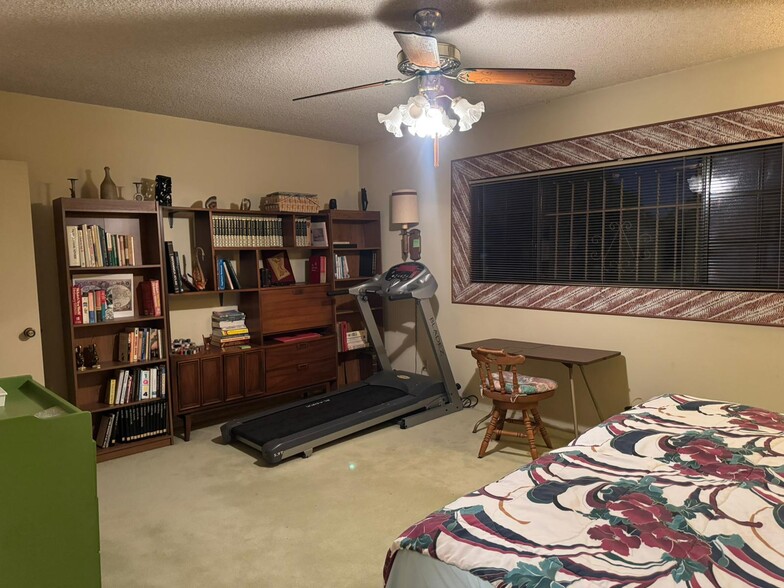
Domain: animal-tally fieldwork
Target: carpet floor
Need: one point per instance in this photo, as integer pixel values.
(206, 514)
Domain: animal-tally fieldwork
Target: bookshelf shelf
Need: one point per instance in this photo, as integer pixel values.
(112, 269)
(104, 407)
(135, 228)
(121, 321)
(107, 366)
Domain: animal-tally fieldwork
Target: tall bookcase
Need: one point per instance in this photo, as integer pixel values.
(87, 389)
(356, 236)
(267, 370)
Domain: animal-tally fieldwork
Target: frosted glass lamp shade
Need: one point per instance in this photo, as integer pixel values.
(405, 208)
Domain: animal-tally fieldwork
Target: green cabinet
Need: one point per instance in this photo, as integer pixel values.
(48, 500)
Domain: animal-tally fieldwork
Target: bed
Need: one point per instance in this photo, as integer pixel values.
(678, 490)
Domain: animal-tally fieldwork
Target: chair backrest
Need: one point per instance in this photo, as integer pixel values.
(492, 364)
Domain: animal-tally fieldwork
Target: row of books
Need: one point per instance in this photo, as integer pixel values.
(227, 275)
(302, 235)
(317, 269)
(229, 329)
(173, 273)
(247, 231)
(349, 340)
(136, 384)
(341, 267)
(92, 246)
(131, 424)
(91, 306)
(139, 344)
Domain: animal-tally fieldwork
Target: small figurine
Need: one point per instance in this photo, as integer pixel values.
(212, 202)
(163, 190)
(245, 204)
(364, 199)
(138, 196)
(73, 186)
(199, 280)
(79, 358)
(91, 358)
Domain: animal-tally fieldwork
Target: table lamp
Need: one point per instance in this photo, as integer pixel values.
(405, 213)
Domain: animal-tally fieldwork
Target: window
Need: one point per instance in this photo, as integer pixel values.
(711, 221)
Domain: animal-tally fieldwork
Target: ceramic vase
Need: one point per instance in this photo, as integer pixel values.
(108, 187)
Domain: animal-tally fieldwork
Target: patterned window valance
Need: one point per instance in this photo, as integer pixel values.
(730, 128)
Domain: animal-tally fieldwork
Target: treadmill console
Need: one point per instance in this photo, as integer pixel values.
(409, 277)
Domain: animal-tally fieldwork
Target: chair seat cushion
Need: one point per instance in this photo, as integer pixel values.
(528, 384)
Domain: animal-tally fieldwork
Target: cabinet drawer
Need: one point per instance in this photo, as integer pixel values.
(303, 352)
(301, 375)
(293, 309)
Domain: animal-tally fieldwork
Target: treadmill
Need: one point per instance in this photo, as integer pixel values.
(387, 395)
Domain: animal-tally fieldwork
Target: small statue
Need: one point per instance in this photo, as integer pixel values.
(73, 186)
(91, 358)
(245, 204)
(364, 199)
(199, 280)
(211, 202)
(79, 358)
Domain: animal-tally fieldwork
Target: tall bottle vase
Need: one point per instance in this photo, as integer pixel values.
(108, 187)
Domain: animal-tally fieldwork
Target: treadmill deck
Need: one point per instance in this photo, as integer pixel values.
(316, 413)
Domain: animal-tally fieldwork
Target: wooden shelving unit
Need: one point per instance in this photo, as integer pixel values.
(362, 229)
(87, 389)
(267, 371)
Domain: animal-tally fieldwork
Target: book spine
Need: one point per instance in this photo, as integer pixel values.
(73, 246)
(76, 304)
(221, 275)
(156, 296)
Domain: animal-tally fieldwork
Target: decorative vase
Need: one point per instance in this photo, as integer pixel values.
(108, 187)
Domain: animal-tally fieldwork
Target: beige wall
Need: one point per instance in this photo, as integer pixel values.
(734, 362)
(61, 139)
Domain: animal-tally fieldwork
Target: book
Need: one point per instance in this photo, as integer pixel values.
(229, 265)
(367, 263)
(172, 276)
(317, 269)
(150, 297)
(72, 233)
(221, 275)
(76, 305)
(279, 265)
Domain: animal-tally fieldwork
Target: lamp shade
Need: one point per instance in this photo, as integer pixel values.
(405, 208)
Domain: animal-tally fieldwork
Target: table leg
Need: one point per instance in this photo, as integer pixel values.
(574, 399)
(590, 392)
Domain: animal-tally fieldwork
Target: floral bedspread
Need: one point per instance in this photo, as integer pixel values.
(677, 490)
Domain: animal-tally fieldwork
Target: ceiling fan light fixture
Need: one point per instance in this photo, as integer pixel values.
(392, 121)
(466, 112)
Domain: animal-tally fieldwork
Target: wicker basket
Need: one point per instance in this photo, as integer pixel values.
(290, 202)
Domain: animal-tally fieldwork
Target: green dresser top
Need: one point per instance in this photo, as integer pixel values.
(26, 398)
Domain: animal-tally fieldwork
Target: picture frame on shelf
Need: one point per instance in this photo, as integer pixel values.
(120, 286)
(279, 266)
(318, 232)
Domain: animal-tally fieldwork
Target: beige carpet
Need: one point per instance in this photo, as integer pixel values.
(205, 514)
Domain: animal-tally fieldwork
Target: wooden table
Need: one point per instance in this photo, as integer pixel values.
(567, 356)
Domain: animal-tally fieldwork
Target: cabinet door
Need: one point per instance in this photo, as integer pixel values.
(211, 380)
(254, 372)
(188, 385)
(232, 376)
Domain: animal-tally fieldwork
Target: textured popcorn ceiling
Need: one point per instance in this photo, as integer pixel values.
(240, 62)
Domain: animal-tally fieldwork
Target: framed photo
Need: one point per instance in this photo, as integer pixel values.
(318, 232)
(118, 286)
(279, 266)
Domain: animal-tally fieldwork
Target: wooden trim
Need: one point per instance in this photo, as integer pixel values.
(760, 123)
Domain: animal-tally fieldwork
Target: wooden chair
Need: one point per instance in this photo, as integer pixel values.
(510, 390)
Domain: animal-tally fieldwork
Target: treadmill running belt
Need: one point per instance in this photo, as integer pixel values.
(318, 412)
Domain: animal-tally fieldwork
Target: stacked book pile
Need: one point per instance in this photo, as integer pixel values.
(228, 328)
(136, 385)
(92, 246)
(349, 340)
(131, 424)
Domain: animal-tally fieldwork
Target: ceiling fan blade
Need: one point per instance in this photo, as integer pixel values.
(421, 50)
(362, 87)
(534, 77)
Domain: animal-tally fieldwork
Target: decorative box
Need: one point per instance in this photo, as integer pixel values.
(290, 202)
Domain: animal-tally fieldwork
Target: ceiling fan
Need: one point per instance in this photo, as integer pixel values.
(425, 59)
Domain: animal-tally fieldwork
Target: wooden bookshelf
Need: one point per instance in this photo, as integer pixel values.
(361, 230)
(217, 382)
(87, 389)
